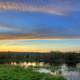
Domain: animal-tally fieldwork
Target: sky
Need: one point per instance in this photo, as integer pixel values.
(39, 25)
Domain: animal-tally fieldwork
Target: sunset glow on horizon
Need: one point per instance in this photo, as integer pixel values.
(40, 45)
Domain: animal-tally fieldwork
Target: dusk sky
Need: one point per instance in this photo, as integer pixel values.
(39, 25)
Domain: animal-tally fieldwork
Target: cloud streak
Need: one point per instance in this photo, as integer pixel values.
(39, 32)
(58, 7)
(5, 28)
(31, 8)
(8, 32)
(34, 37)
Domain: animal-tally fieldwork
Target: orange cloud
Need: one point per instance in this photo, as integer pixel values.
(33, 37)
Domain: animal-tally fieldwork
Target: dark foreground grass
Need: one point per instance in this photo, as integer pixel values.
(8, 72)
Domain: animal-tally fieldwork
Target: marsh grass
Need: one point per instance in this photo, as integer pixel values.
(10, 72)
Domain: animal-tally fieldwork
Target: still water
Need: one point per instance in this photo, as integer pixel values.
(72, 75)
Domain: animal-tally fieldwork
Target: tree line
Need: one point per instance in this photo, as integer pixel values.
(53, 58)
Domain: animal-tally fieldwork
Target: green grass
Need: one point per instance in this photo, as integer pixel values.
(8, 72)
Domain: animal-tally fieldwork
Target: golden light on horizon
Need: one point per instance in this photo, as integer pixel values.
(39, 45)
(21, 49)
(32, 49)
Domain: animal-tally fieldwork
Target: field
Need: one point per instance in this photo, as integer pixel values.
(9, 72)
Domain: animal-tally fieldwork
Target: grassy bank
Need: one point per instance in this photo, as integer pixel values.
(9, 72)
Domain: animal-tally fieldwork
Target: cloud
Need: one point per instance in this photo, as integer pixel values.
(39, 32)
(5, 28)
(57, 7)
(34, 37)
(11, 29)
(31, 8)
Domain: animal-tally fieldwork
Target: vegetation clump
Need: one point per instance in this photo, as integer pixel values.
(9, 72)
